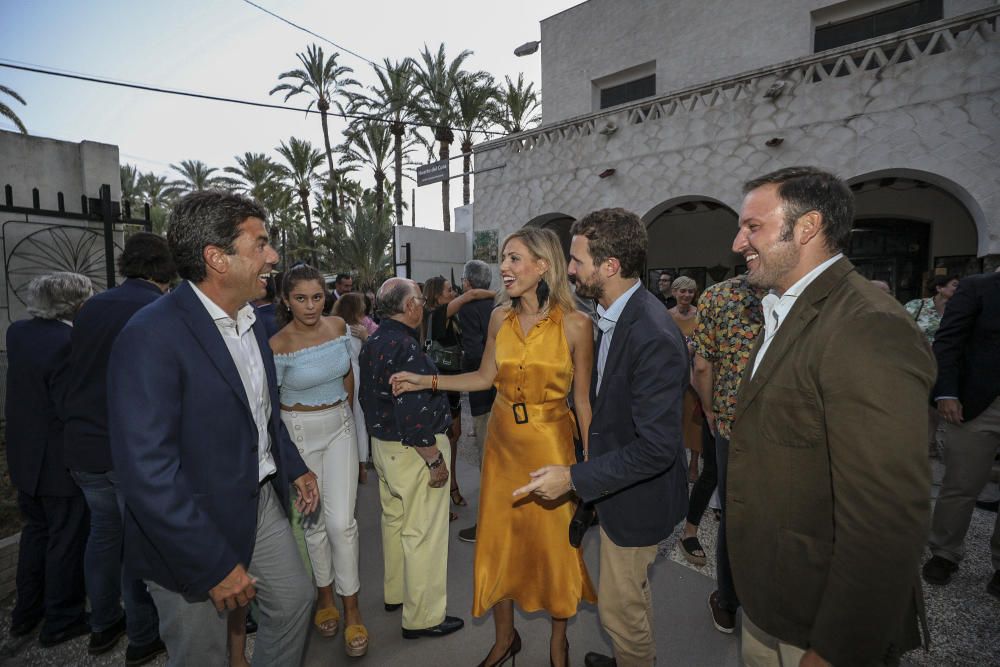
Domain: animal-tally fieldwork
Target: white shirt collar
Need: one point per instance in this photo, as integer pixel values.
(245, 317)
(614, 311)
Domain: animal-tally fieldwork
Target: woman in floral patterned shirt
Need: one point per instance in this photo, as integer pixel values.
(927, 312)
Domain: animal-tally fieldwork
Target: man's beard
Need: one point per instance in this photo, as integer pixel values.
(589, 290)
(782, 257)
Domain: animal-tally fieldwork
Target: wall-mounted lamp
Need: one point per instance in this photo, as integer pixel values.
(527, 48)
(774, 142)
(606, 173)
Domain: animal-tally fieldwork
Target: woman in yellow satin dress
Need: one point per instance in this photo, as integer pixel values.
(539, 350)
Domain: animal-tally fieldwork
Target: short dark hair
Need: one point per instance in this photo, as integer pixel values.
(939, 281)
(147, 255)
(615, 232)
(204, 218)
(343, 276)
(804, 189)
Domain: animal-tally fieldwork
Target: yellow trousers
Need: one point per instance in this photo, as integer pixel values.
(414, 532)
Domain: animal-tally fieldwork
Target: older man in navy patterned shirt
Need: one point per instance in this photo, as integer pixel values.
(410, 451)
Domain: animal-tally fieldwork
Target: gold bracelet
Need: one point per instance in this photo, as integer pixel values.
(434, 382)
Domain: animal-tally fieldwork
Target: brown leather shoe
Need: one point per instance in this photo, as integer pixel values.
(723, 619)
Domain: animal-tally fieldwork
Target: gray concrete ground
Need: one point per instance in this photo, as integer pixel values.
(963, 617)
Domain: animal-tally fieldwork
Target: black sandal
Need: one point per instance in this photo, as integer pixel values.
(691, 548)
(456, 497)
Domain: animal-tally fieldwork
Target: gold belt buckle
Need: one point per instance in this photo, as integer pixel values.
(520, 413)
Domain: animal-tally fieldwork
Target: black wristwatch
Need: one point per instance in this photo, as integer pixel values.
(439, 461)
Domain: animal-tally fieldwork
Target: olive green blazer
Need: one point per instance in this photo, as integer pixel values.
(828, 499)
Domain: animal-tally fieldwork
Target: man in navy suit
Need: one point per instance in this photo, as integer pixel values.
(967, 347)
(636, 474)
(148, 268)
(202, 459)
(50, 557)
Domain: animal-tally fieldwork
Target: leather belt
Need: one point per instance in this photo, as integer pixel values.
(549, 411)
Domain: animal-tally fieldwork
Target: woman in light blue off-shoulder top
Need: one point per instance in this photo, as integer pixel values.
(312, 354)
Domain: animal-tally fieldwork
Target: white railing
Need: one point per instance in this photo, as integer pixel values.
(873, 54)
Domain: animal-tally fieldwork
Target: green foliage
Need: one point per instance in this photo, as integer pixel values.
(8, 113)
(363, 243)
(517, 106)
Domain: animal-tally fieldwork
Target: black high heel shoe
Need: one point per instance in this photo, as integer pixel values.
(552, 664)
(511, 654)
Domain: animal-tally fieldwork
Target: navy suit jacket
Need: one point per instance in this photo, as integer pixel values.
(637, 472)
(37, 351)
(967, 345)
(85, 410)
(184, 445)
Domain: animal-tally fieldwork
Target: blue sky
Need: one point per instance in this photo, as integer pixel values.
(229, 48)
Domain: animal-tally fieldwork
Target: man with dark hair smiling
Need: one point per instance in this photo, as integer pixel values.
(202, 458)
(636, 474)
(824, 545)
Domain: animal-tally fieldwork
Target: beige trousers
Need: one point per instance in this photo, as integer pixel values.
(625, 602)
(759, 649)
(414, 532)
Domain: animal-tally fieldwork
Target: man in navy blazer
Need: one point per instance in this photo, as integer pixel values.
(203, 461)
(967, 347)
(50, 557)
(636, 474)
(148, 268)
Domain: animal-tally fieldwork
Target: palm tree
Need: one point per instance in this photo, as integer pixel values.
(302, 161)
(475, 95)
(196, 176)
(158, 193)
(363, 243)
(257, 176)
(392, 97)
(371, 143)
(129, 177)
(8, 113)
(436, 107)
(324, 78)
(517, 106)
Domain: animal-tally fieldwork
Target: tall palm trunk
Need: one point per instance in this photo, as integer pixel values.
(466, 170)
(397, 130)
(379, 194)
(304, 196)
(323, 106)
(445, 203)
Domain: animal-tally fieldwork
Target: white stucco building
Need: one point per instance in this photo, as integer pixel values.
(665, 107)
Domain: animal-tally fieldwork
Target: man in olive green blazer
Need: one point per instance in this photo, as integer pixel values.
(829, 483)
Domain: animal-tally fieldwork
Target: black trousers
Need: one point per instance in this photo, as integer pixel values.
(702, 491)
(50, 562)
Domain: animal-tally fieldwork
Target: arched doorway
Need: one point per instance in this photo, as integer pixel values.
(691, 235)
(560, 223)
(908, 225)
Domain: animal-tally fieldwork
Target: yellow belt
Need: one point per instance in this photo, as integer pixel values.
(549, 411)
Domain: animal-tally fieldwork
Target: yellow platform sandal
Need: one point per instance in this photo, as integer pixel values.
(327, 621)
(352, 634)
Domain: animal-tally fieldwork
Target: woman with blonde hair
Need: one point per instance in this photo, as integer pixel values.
(539, 349)
(685, 315)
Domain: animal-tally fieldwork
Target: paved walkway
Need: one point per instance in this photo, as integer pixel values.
(963, 617)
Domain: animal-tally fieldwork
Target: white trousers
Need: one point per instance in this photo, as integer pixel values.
(326, 440)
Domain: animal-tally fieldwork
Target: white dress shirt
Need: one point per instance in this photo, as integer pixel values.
(242, 344)
(776, 308)
(607, 322)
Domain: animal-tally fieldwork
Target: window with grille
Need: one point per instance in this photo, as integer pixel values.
(876, 24)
